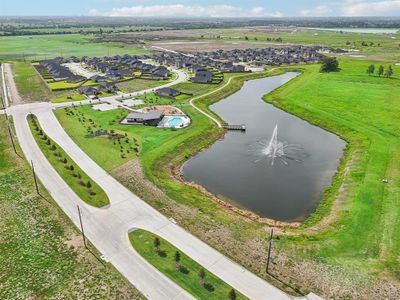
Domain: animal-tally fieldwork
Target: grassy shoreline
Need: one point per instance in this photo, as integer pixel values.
(88, 190)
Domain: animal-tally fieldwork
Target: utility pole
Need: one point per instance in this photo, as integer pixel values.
(269, 248)
(12, 140)
(80, 221)
(34, 177)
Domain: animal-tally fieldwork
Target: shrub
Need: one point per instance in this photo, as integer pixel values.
(88, 184)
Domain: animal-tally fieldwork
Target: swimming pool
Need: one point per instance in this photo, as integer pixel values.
(175, 122)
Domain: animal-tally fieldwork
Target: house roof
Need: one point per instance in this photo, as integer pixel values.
(151, 115)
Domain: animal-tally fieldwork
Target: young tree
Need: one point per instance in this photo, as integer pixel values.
(389, 72)
(329, 64)
(232, 295)
(178, 259)
(157, 244)
(202, 275)
(246, 38)
(71, 167)
(380, 70)
(371, 69)
(88, 185)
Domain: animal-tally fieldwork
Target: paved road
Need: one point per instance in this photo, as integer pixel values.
(107, 228)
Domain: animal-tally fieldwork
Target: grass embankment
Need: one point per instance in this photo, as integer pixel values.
(364, 110)
(41, 252)
(72, 174)
(186, 273)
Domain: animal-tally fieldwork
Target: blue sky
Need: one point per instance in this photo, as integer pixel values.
(200, 8)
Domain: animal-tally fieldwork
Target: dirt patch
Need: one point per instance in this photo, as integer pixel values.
(75, 241)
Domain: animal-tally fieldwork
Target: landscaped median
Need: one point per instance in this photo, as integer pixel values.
(71, 173)
(180, 268)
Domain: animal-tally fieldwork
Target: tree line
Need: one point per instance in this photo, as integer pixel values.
(381, 71)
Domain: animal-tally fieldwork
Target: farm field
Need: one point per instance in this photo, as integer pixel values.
(40, 47)
(33, 226)
(187, 275)
(335, 101)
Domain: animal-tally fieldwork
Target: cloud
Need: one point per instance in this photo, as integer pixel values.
(376, 8)
(181, 10)
(318, 11)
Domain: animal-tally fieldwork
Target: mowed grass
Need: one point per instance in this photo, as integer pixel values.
(41, 252)
(365, 111)
(40, 47)
(88, 190)
(76, 97)
(138, 84)
(187, 276)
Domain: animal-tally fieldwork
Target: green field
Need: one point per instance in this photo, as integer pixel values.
(138, 84)
(188, 274)
(31, 87)
(363, 110)
(41, 252)
(76, 97)
(40, 47)
(88, 190)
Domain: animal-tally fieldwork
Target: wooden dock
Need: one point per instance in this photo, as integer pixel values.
(241, 127)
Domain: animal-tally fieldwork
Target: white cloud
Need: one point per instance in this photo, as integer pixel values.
(318, 11)
(366, 8)
(180, 10)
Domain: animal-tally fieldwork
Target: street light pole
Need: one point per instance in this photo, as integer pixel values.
(269, 249)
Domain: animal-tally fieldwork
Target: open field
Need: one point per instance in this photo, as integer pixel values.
(42, 252)
(366, 208)
(39, 47)
(78, 180)
(31, 87)
(138, 84)
(187, 275)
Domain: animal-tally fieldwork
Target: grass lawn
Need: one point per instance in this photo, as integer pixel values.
(153, 99)
(72, 174)
(40, 47)
(138, 84)
(188, 275)
(59, 85)
(41, 252)
(76, 97)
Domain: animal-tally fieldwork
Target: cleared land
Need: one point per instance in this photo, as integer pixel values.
(41, 252)
(333, 259)
(41, 47)
(186, 273)
(78, 180)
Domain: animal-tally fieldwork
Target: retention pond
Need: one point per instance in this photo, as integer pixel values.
(278, 168)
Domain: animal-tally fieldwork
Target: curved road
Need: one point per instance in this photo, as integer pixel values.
(107, 228)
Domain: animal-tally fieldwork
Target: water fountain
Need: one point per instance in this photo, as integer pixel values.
(274, 149)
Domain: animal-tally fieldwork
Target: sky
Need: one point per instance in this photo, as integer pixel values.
(200, 8)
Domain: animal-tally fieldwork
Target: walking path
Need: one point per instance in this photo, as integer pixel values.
(107, 228)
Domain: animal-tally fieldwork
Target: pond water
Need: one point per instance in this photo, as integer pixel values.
(278, 167)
